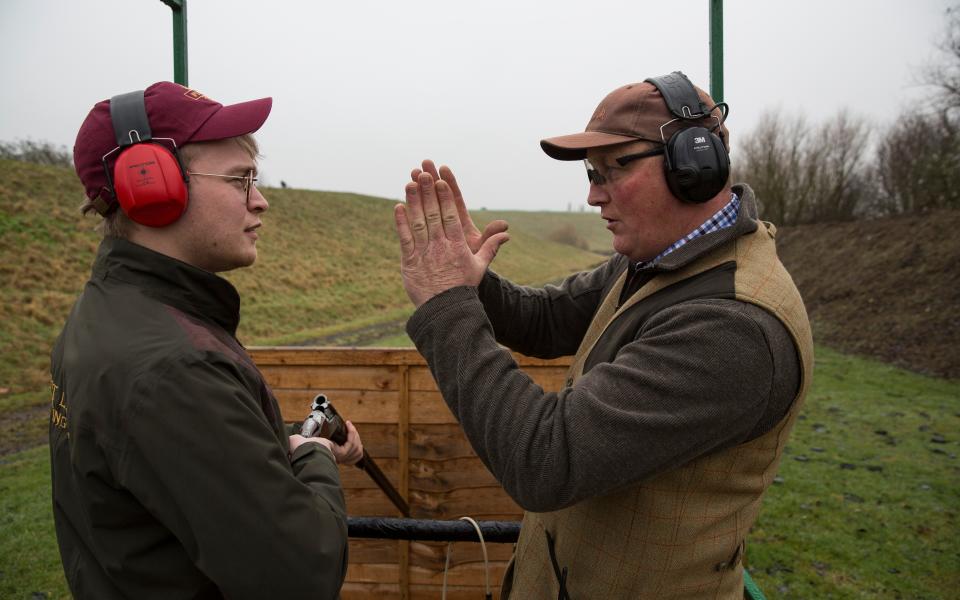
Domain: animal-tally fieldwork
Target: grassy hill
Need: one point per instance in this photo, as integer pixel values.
(588, 228)
(328, 265)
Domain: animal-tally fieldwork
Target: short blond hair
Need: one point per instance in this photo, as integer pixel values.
(117, 224)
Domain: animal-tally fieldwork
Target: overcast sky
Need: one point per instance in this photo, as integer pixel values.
(363, 90)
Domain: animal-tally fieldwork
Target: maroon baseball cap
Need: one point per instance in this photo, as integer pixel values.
(629, 113)
(174, 111)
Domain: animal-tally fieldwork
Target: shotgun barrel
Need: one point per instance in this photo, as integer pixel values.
(324, 421)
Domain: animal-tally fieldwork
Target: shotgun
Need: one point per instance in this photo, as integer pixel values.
(324, 421)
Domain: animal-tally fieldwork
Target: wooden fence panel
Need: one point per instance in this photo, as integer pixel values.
(390, 395)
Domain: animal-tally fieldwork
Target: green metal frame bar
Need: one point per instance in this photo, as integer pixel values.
(179, 10)
(716, 50)
(751, 590)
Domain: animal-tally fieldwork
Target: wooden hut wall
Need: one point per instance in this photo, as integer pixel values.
(390, 395)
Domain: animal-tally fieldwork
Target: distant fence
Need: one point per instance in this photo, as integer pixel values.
(391, 397)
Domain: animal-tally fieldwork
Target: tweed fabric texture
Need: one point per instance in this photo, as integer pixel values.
(679, 534)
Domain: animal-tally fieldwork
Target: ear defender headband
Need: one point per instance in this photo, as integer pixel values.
(696, 163)
(147, 180)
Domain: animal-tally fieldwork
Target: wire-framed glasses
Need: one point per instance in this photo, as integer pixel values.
(248, 180)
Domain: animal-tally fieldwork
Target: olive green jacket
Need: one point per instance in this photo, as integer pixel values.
(170, 466)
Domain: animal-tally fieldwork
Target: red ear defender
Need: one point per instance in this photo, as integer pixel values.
(149, 185)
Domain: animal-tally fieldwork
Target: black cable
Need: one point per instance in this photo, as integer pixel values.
(503, 532)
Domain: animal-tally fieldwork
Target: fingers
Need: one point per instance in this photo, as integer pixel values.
(429, 167)
(355, 445)
(488, 251)
(444, 174)
(414, 215)
(350, 453)
(353, 436)
(448, 211)
(325, 442)
(431, 207)
(447, 175)
(493, 228)
(295, 441)
(407, 245)
(298, 440)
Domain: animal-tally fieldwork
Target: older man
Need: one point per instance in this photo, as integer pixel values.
(173, 474)
(644, 474)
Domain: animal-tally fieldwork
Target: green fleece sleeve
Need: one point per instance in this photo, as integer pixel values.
(204, 460)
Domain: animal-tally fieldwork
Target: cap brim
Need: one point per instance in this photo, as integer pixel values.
(575, 146)
(234, 120)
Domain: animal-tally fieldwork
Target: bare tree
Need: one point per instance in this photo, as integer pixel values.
(918, 157)
(836, 167)
(804, 175)
(945, 75)
(770, 159)
(41, 153)
(918, 160)
(829, 173)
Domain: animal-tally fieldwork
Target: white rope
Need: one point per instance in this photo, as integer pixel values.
(486, 563)
(446, 565)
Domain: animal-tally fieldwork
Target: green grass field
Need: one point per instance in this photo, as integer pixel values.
(866, 504)
(867, 501)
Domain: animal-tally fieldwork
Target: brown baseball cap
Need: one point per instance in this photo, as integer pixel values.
(174, 111)
(633, 112)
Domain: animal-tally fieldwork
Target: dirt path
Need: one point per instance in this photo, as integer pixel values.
(362, 336)
(23, 429)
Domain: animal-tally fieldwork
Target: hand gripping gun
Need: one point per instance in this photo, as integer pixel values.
(324, 421)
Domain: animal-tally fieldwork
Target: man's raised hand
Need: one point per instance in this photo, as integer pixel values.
(435, 254)
(474, 237)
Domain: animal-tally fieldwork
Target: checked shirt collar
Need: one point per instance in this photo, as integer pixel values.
(723, 218)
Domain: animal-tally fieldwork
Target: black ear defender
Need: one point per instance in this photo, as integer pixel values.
(696, 162)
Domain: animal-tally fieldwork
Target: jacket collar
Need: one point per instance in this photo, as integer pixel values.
(168, 280)
(746, 223)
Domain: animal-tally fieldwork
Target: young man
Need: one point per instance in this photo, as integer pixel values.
(173, 474)
(644, 474)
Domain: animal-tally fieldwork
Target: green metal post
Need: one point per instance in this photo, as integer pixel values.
(716, 50)
(179, 10)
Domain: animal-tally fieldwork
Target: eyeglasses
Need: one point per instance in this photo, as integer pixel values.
(248, 181)
(597, 178)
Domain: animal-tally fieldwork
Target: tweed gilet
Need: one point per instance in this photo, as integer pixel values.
(679, 534)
